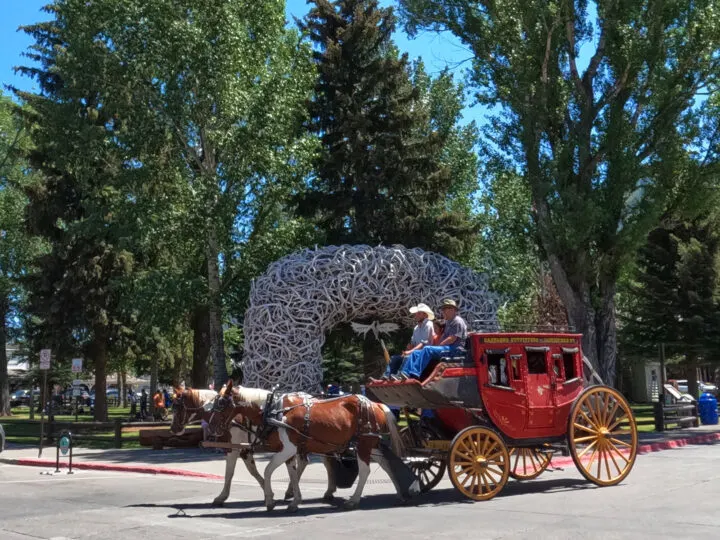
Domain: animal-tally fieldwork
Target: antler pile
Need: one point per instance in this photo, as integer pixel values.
(304, 295)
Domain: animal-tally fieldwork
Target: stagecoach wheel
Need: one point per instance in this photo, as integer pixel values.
(602, 436)
(429, 470)
(528, 463)
(479, 463)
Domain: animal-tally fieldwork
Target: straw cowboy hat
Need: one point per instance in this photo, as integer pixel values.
(449, 303)
(423, 308)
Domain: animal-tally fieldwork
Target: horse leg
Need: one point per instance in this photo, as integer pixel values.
(294, 474)
(363, 457)
(230, 461)
(301, 462)
(332, 484)
(287, 451)
(249, 460)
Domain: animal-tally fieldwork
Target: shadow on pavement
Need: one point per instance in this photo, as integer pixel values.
(316, 506)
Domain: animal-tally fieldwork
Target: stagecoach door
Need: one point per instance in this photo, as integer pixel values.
(540, 383)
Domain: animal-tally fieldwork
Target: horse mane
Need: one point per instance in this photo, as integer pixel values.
(200, 398)
(254, 396)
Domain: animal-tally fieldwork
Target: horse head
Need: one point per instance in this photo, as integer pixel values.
(188, 406)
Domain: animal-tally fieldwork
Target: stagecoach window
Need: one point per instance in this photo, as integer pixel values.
(515, 365)
(497, 369)
(536, 362)
(569, 363)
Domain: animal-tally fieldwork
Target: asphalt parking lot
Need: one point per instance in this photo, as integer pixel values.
(669, 494)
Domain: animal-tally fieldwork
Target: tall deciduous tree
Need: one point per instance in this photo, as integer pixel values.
(17, 249)
(379, 177)
(600, 145)
(227, 82)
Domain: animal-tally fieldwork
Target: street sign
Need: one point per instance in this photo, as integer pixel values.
(77, 391)
(77, 382)
(77, 365)
(45, 359)
(64, 444)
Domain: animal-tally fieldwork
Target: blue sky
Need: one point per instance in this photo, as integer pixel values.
(437, 50)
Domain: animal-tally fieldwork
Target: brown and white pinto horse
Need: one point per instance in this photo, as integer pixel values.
(191, 405)
(316, 426)
(239, 435)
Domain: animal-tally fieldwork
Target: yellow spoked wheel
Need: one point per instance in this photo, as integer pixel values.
(602, 436)
(528, 463)
(479, 463)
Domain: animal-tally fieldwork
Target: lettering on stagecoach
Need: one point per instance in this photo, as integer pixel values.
(527, 339)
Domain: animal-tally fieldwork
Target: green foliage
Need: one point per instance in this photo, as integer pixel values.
(672, 297)
(381, 176)
(603, 150)
(507, 249)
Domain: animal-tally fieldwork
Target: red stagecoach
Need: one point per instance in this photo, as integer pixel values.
(504, 408)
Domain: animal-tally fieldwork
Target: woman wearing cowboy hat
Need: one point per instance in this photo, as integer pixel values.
(453, 337)
(422, 335)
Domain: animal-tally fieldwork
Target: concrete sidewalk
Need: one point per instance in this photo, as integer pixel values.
(205, 463)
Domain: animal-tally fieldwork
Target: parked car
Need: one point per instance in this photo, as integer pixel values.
(21, 398)
(682, 386)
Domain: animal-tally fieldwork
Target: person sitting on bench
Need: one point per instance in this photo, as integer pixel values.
(451, 340)
(422, 335)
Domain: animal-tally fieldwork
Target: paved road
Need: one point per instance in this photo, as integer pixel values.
(670, 494)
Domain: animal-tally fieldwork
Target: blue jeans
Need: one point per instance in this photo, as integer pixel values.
(417, 361)
(394, 365)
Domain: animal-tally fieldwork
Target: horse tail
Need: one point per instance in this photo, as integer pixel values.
(396, 441)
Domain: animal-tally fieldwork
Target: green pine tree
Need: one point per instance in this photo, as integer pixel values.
(75, 293)
(380, 176)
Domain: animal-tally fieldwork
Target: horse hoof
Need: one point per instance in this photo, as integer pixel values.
(270, 507)
(291, 509)
(218, 503)
(350, 505)
(328, 498)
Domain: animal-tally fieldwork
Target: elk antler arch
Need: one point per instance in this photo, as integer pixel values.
(304, 295)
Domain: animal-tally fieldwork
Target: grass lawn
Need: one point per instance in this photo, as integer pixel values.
(20, 432)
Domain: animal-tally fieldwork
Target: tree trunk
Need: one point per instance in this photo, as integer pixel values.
(692, 377)
(217, 342)
(119, 385)
(124, 385)
(180, 361)
(153, 383)
(598, 328)
(201, 346)
(372, 357)
(4, 379)
(98, 354)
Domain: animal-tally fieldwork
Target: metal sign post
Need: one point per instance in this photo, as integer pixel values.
(44, 366)
(77, 368)
(76, 392)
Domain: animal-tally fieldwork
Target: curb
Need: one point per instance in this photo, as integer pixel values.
(140, 469)
(150, 469)
(654, 447)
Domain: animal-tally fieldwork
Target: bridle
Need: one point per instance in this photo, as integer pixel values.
(182, 412)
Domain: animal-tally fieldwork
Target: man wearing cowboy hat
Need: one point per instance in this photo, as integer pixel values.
(422, 335)
(453, 338)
